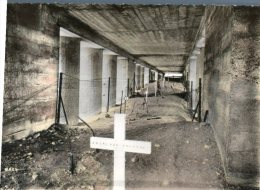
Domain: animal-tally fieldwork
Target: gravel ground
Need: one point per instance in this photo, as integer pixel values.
(184, 154)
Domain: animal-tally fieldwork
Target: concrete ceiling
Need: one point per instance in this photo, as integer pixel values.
(161, 35)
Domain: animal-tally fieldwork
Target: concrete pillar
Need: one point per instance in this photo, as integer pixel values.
(109, 70)
(155, 75)
(138, 76)
(90, 81)
(193, 78)
(131, 76)
(146, 75)
(160, 76)
(142, 77)
(122, 76)
(150, 75)
(70, 65)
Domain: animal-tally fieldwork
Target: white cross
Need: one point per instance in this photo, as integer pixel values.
(119, 145)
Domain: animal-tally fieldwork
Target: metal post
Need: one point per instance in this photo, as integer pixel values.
(59, 99)
(191, 93)
(128, 87)
(125, 105)
(108, 94)
(199, 113)
(121, 102)
(206, 116)
(64, 111)
(134, 84)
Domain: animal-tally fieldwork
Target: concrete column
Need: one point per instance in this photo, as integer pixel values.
(146, 75)
(131, 73)
(193, 78)
(142, 77)
(156, 76)
(150, 75)
(138, 76)
(69, 65)
(90, 81)
(153, 75)
(160, 76)
(109, 70)
(122, 76)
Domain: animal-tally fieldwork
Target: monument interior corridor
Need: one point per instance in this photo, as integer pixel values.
(142, 97)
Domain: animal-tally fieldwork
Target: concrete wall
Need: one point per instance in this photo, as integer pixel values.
(32, 57)
(121, 81)
(90, 81)
(70, 65)
(231, 85)
(109, 70)
(244, 140)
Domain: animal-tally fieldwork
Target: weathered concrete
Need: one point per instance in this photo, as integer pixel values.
(78, 26)
(142, 77)
(32, 57)
(90, 81)
(193, 80)
(156, 75)
(231, 85)
(3, 15)
(69, 66)
(109, 70)
(121, 79)
(131, 76)
(138, 76)
(158, 35)
(146, 76)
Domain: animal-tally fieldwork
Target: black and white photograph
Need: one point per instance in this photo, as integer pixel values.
(129, 96)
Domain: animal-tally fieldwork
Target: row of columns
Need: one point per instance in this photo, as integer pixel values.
(95, 79)
(194, 71)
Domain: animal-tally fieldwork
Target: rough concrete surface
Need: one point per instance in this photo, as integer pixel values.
(32, 54)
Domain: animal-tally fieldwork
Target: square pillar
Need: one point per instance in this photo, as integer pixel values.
(142, 77)
(193, 79)
(155, 75)
(146, 75)
(131, 77)
(90, 81)
(122, 79)
(69, 65)
(138, 76)
(109, 70)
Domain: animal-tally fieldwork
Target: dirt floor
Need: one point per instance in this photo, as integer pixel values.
(184, 154)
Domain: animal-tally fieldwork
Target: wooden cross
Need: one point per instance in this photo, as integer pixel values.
(120, 146)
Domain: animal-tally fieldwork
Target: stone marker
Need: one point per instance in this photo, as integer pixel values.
(119, 145)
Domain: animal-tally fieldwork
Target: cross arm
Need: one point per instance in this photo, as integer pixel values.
(125, 145)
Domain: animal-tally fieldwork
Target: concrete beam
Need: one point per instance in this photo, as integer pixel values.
(76, 26)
